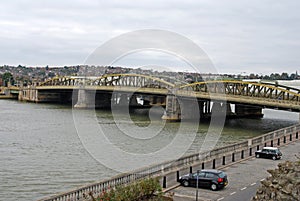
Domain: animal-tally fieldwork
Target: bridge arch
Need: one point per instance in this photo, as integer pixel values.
(130, 80)
(248, 89)
(60, 81)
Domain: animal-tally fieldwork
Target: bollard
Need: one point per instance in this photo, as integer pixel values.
(223, 161)
(202, 166)
(250, 151)
(165, 182)
(242, 154)
(214, 164)
(177, 176)
(232, 157)
(296, 135)
(284, 139)
(191, 169)
(197, 184)
(291, 137)
(271, 143)
(265, 144)
(257, 147)
(278, 142)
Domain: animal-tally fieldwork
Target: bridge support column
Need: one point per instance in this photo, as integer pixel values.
(248, 111)
(85, 99)
(29, 94)
(172, 112)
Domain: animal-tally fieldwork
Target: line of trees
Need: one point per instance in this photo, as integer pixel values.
(282, 76)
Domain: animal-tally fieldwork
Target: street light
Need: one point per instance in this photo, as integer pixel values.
(197, 184)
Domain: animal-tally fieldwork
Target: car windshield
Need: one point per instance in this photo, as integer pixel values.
(222, 174)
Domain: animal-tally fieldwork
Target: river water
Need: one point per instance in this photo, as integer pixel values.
(42, 154)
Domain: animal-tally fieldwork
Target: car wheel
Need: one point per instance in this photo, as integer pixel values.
(274, 157)
(257, 155)
(213, 187)
(185, 183)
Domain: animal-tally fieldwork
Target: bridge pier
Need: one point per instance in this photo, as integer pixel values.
(179, 108)
(172, 112)
(85, 99)
(28, 94)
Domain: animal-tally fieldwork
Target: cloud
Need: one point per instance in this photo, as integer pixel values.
(239, 36)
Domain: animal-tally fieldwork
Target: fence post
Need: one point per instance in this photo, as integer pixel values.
(165, 182)
(271, 143)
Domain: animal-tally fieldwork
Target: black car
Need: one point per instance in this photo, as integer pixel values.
(269, 152)
(213, 179)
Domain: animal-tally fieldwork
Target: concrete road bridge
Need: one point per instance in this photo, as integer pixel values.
(124, 89)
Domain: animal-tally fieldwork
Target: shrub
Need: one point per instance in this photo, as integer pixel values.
(146, 189)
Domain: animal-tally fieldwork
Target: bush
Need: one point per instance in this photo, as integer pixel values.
(146, 189)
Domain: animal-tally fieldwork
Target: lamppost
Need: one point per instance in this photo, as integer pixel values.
(197, 184)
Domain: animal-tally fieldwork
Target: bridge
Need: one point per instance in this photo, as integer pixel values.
(124, 89)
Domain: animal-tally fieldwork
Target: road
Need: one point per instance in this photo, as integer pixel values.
(244, 178)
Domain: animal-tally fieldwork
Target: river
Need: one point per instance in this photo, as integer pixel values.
(42, 154)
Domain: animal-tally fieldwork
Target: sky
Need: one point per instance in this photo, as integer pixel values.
(258, 36)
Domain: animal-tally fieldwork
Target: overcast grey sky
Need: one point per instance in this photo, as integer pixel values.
(258, 36)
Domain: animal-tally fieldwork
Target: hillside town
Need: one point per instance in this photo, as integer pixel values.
(27, 75)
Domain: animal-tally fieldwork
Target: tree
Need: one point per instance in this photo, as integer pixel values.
(284, 76)
(7, 77)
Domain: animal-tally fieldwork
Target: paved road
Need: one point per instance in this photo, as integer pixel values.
(244, 178)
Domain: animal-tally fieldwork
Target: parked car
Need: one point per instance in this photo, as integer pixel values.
(269, 152)
(213, 179)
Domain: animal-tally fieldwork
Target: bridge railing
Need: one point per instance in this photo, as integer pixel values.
(165, 168)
